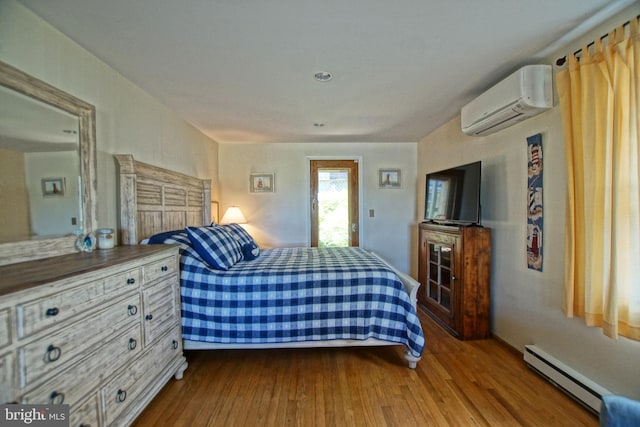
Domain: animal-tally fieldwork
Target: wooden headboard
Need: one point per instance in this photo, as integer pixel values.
(153, 199)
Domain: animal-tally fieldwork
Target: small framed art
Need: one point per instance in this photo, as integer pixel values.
(261, 183)
(389, 178)
(53, 187)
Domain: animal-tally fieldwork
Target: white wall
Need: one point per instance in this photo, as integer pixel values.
(526, 304)
(14, 222)
(51, 216)
(128, 119)
(280, 219)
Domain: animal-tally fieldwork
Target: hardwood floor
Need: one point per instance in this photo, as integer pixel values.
(457, 383)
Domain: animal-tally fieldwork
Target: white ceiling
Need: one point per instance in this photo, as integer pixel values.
(242, 70)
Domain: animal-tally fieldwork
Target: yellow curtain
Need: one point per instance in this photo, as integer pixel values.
(599, 99)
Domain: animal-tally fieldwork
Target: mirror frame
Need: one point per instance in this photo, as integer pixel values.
(19, 81)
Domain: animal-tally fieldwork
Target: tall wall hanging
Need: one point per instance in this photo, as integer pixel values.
(534, 202)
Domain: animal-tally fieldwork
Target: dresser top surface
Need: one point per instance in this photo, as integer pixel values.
(25, 275)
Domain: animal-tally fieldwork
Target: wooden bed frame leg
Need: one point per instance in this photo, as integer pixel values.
(413, 361)
(180, 371)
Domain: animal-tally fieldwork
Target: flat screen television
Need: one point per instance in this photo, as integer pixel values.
(453, 195)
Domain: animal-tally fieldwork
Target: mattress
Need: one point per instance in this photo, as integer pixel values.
(297, 294)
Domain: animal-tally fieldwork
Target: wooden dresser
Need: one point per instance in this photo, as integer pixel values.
(454, 268)
(99, 331)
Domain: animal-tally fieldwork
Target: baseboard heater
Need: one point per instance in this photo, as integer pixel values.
(582, 389)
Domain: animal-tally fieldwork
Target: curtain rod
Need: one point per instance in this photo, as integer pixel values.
(562, 60)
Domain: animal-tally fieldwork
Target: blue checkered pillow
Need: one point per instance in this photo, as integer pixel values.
(240, 234)
(175, 236)
(250, 251)
(215, 246)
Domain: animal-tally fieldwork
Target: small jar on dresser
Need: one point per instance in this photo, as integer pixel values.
(99, 331)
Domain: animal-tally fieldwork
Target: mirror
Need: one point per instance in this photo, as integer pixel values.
(39, 169)
(47, 168)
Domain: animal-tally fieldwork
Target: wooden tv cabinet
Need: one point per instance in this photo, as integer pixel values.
(455, 272)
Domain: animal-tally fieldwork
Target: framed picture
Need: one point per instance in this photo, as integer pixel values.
(215, 212)
(389, 178)
(53, 187)
(261, 183)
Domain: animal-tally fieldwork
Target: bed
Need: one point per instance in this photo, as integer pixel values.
(285, 297)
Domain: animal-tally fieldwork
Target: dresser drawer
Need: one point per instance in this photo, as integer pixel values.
(171, 343)
(133, 381)
(50, 353)
(122, 281)
(36, 315)
(5, 334)
(70, 387)
(163, 268)
(6, 378)
(160, 308)
(126, 388)
(86, 413)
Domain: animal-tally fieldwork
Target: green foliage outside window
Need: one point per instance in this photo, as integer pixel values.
(333, 213)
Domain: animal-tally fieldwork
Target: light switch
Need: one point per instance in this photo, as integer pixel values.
(371, 213)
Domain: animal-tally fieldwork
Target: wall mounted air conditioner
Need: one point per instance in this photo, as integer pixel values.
(523, 94)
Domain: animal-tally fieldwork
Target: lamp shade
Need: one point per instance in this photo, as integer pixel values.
(233, 215)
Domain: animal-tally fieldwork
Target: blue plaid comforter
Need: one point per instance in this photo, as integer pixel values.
(297, 294)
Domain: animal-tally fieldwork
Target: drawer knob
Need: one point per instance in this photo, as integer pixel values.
(56, 398)
(131, 281)
(174, 344)
(149, 316)
(132, 343)
(164, 268)
(132, 309)
(53, 311)
(121, 396)
(52, 354)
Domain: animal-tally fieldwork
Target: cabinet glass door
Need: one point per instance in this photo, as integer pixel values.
(440, 276)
